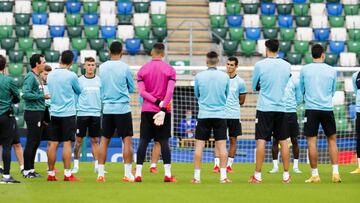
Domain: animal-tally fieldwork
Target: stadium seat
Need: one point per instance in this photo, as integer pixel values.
(78, 44)
(8, 43)
(16, 56)
(322, 34)
(97, 44)
(22, 31)
(43, 44)
(233, 8)
(39, 6)
(217, 21)
(29, 53)
(56, 7)
(301, 47)
(90, 7)
(285, 46)
(251, 21)
(75, 68)
(248, 47)
(216, 8)
(320, 22)
(61, 44)
(6, 6)
(108, 19)
(253, 33)
(108, 32)
(236, 33)
(337, 47)
(270, 33)
(352, 111)
(3, 52)
(354, 34)
(339, 109)
(267, 9)
(26, 44)
(22, 19)
(52, 56)
(260, 47)
(159, 20)
(57, 19)
(125, 35)
(251, 8)
(285, 21)
(91, 19)
(104, 56)
(39, 18)
(107, 7)
(91, 32)
(124, 19)
(74, 31)
(337, 21)
(294, 58)
(338, 34)
(148, 45)
(323, 44)
(142, 32)
(347, 2)
(331, 59)
(230, 47)
(268, 21)
(7, 18)
(301, 9)
(351, 9)
(308, 58)
(19, 81)
(158, 7)
(218, 32)
(133, 46)
(159, 33)
(287, 33)
(302, 21)
(234, 20)
(353, 46)
(73, 19)
(334, 9)
(57, 31)
(284, 9)
(124, 8)
(6, 31)
(348, 59)
(141, 19)
(141, 7)
(15, 69)
(317, 9)
(304, 34)
(73, 7)
(40, 31)
(341, 124)
(353, 22)
(22, 6)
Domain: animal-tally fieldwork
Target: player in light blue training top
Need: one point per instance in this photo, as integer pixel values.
(356, 85)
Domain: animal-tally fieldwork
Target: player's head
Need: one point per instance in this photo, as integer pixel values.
(318, 53)
(46, 72)
(116, 49)
(158, 50)
(2, 63)
(37, 61)
(232, 64)
(89, 65)
(67, 58)
(272, 47)
(188, 114)
(212, 59)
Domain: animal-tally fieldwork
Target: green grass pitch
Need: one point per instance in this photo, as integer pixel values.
(152, 189)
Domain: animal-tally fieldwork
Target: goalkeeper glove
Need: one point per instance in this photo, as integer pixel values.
(159, 118)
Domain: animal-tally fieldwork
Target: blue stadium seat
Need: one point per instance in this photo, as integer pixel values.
(57, 31)
(124, 8)
(108, 32)
(234, 20)
(334, 9)
(39, 18)
(285, 21)
(91, 19)
(253, 33)
(268, 8)
(76, 55)
(133, 45)
(73, 7)
(281, 55)
(337, 47)
(322, 34)
(299, 1)
(352, 111)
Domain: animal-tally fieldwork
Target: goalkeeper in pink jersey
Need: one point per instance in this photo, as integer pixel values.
(156, 83)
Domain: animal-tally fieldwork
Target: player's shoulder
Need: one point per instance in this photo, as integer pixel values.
(239, 79)
(354, 75)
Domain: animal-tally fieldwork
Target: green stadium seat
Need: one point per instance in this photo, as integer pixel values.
(22, 19)
(354, 34)
(74, 31)
(232, 1)
(353, 46)
(5, 31)
(270, 33)
(302, 21)
(109, 41)
(19, 81)
(90, 7)
(8, 43)
(331, 59)
(332, 1)
(230, 47)
(74, 68)
(160, 33)
(284, 9)
(220, 32)
(19, 108)
(324, 44)
(251, 8)
(78, 44)
(301, 47)
(336, 21)
(233, 8)
(124, 19)
(287, 34)
(142, 32)
(39, 6)
(104, 56)
(91, 32)
(6, 6)
(141, 7)
(341, 124)
(29, 53)
(294, 58)
(285, 46)
(52, 56)
(217, 21)
(340, 111)
(351, 9)
(56, 6)
(340, 86)
(16, 56)
(26, 44)
(268, 21)
(248, 47)
(308, 58)
(73, 19)
(316, 1)
(300, 110)
(301, 9)
(97, 44)
(158, 20)
(148, 45)
(22, 31)
(236, 33)
(15, 69)
(43, 44)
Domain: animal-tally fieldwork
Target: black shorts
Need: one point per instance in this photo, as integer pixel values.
(206, 125)
(148, 130)
(6, 130)
(34, 123)
(269, 124)
(16, 132)
(312, 120)
(46, 125)
(234, 127)
(63, 129)
(120, 122)
(357, 125)
(88, 124)
(293, 125)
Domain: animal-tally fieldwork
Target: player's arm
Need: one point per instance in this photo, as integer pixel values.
(130, 81)
(170, 88)
(28, 93)
(14, 92)
(196, 88)
(334, 84)
(243, 92)
(302, 83)
(142, 89)
(354, 82)
(227, 89)
(256, 79)
(75, 85)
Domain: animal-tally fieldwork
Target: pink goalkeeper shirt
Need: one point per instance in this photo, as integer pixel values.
(156, 80)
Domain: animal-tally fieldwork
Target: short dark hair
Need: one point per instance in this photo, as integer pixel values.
(233, 58)
(89, 59)
(212, 55)
(272, 45)
(35, 59)
(317, 50)
(116, 48)
(159, 48)
(2, 62)
(47, 68)
(67, 57)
